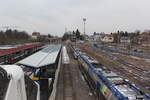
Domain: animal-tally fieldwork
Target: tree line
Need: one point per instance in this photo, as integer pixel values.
(73, 34)
(13, 37)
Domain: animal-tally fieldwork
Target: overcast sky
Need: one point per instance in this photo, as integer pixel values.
(52, 16)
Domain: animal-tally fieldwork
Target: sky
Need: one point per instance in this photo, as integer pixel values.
(53, 16)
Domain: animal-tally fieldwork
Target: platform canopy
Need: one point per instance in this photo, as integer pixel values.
(42, 58)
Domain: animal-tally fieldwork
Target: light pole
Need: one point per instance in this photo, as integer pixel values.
(84, 20)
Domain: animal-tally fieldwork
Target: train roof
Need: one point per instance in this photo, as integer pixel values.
(42, 58)
(13, 71)
(9, 49)
(122, 85)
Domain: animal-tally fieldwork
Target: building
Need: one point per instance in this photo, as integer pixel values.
(35, 35)
(107, 38)
(144, 39)
(125, 39)
(84, 37)
(96, 36)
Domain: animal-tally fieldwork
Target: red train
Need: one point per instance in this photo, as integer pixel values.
(11, 55)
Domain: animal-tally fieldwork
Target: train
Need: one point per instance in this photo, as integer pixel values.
(106, 84)
(9, 55)
(15, 85)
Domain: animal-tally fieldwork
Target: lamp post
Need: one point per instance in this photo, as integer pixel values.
(84, 20)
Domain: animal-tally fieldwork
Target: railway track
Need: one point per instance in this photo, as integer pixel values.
(128, 69)
(120, 60)
(93, 68)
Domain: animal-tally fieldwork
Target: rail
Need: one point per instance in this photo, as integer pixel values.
(119, 95)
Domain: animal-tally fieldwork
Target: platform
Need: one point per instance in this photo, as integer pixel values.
(71, 85)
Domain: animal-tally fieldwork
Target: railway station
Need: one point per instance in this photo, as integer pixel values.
(63, 72)
(74, 50)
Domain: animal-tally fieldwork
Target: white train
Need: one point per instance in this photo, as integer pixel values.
(15, 85)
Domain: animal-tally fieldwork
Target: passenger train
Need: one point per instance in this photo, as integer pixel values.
(11, 55)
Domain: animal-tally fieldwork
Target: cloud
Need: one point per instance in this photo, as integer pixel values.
(52, 16)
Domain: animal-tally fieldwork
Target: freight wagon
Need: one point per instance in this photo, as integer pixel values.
(105, 83)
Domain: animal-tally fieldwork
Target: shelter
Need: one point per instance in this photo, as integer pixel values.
(42, 62)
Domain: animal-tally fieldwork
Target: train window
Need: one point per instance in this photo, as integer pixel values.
(31, 88)
(4, 82)
(1, 60)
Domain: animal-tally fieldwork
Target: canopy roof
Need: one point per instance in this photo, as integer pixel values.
(42, 58)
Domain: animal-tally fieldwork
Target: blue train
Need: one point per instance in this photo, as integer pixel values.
(105, 82)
